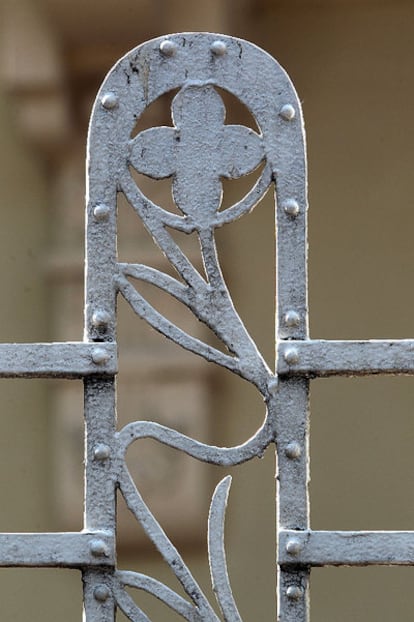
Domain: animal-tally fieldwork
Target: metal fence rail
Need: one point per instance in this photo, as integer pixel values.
(197, 152)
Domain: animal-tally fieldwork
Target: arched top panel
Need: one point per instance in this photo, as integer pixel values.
(199, 59)
(167, 63)
(197, 151)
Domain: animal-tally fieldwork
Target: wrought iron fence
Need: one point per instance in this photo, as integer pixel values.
(197, 151)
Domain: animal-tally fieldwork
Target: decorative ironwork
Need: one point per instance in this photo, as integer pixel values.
(198, 147)
(197, 151)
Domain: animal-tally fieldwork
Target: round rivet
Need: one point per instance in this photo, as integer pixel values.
(98, 548)
(100, 318)
(291, 356)
(272, 385)
(101, 452)
(101, 593)
(287, 112)
(110, 101)
(101, 212)
(218, 48)
(293, 592)
(100, 356)
(168, 47)
(293, 450)
(292, 318)
(293, 547)
(291, 208)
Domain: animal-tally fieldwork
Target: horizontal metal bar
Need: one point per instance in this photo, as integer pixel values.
(346, 548)
(346, 358)
(65, 550)
(57, 360)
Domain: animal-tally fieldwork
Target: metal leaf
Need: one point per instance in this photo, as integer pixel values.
(217, 555)
(157, 535)
(157, 589)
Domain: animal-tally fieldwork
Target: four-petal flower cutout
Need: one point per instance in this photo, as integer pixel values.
(197, 152)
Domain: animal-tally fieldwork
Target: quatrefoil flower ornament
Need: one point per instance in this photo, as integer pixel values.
(197, 153)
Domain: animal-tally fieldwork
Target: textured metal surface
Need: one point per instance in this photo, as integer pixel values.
(346, 358)
(197, 151)
(69, 550)
(57, 360)
(346, 548)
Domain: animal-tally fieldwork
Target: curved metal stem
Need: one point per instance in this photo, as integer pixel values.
(160, 591)
(223, 456)
(170, 330)
(217, 554)
(157, 535)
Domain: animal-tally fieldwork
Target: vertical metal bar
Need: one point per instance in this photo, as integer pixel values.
(292, 493)
(99, 478)
(98, 603)
(292, 418)
(100, 325)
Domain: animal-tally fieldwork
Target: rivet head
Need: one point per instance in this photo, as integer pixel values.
(101, 593)
(287, 112)
(100, 318)
(293, 450)
(101, 212)
(101, 452)
(218, 48)
(291, 208)
(168, 47)
(291, 356)
(293, 592)
(293, 547)
(100, 356)
(98, 548)
(292, 318)
(110, 101)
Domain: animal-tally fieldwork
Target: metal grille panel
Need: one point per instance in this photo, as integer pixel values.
(197, 151)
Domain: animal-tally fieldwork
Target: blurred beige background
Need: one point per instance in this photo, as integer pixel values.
(351, 63)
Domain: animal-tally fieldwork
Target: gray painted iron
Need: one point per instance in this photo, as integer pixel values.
(197, 151)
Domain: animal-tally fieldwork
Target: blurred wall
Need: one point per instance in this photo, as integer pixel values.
(351, 64)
